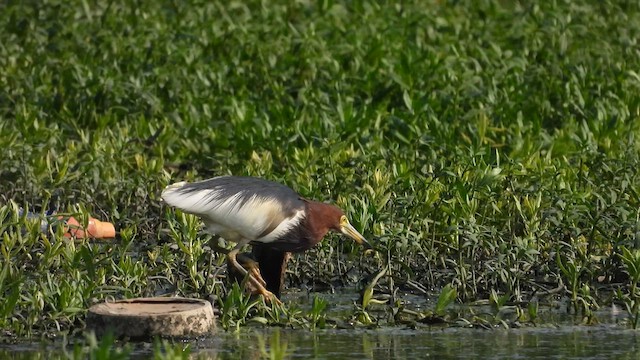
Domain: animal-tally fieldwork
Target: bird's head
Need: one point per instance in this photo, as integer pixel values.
(343, 225)
(323, 217)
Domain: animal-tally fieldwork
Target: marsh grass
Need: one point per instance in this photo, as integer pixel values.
(486, 147)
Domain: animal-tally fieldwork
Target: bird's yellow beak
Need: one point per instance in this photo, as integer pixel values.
(347, 229)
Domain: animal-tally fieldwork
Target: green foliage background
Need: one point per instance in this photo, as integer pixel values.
(485, 144)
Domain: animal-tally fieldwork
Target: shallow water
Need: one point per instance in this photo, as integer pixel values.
(600, 342)
(571, 342)
(608, 341)
(562, 340)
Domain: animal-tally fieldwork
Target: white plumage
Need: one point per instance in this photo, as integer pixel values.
(234, 217)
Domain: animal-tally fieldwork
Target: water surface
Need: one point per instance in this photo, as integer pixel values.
(558, 337)
(597, 342)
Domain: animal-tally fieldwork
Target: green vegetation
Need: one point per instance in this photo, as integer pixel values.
(488, 148)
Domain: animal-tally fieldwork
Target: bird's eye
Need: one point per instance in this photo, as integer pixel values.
(343, 220)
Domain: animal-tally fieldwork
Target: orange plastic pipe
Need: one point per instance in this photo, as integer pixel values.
(95, 229)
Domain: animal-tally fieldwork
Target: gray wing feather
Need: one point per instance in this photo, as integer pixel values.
(245, 188)
(251, 207)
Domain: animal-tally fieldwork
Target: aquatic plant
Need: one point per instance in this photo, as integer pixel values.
(631, 262)
(489, 145)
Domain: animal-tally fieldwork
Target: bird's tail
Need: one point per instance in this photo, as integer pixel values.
(171, 194)
(183, 195)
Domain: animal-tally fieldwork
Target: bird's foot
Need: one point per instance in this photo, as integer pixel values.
(270, 297)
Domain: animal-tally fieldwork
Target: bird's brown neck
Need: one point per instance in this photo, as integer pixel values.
(318, 220)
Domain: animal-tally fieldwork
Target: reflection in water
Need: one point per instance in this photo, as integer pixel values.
(536, 343)
(568, 342)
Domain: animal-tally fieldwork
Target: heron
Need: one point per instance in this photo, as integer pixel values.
(249, 210)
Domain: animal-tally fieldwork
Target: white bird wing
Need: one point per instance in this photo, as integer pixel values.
(239, 207)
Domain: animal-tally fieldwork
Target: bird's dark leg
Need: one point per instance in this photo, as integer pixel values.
(273, 265)
(232, 256)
